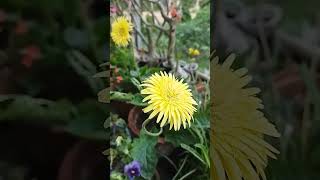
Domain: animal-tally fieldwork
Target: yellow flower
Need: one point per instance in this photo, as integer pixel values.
(121, 29)
(170, 99)
(238, 150)
(193, 52)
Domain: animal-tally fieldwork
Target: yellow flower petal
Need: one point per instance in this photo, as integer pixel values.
(121, 29)
(168, 98)
(238, 126)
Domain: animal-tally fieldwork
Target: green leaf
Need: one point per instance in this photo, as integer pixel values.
(104, 64)
(193, 152)
(76, 38)
(144, 151)
(205, 152)
(104, 95)
(107, 123)
(120, 96)
(87, 127)
(102, 74)
(85, 68)
(136, 83)
(137, 100)
(21, 107)
(180, 137)
(127, 97)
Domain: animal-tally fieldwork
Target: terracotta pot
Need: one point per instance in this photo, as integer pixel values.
(84, 161)
(135, 120)
(290, 83)
(120, 108)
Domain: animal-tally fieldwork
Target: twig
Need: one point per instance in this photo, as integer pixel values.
(263, 39)
(162, 10)
(146, 23)
(288, 42)
(205, 4)
(294, 44)
(141, 35)
(169, 160)
(154, 17)
(181, 167)
(119, 6)
(188, 174)
(160, 33)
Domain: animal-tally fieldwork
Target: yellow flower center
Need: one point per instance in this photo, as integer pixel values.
(122, 31)
(171, 95)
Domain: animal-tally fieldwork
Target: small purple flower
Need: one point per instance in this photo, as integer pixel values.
(133, 169)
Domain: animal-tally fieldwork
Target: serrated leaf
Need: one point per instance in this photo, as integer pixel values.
(102, 74)
(104, 95)
(120, 96)
(137, 100)
(180, 137)
(107, 123)
(144, 151)
(136, 83)
(127, 97)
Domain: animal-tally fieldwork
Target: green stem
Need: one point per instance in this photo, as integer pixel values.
(188, 174)
(145, 123)
(134, 58)
(180, 169)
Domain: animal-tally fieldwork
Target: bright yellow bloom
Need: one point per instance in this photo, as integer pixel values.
(170, 99)
(238, 149)
(193, 52)
(121, 29)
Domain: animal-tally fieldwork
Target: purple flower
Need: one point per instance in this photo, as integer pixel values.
(133, 169)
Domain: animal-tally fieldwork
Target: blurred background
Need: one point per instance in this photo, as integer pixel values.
(51, 123)
(279, 42)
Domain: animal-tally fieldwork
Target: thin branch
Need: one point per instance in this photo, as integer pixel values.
(204, 4)
(181, 167)
(151, 44)
(188, 174)
(162, 10)
(146, 23)
(154, 17)
(118, 6)
(141, 35)
(159, 36)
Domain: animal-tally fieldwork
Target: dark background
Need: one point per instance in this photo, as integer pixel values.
(278, 41)
(51, 123)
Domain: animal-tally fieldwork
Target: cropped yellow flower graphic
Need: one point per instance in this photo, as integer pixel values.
(193, 52)
(121, 29)
(170, 99)
(238, 149)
